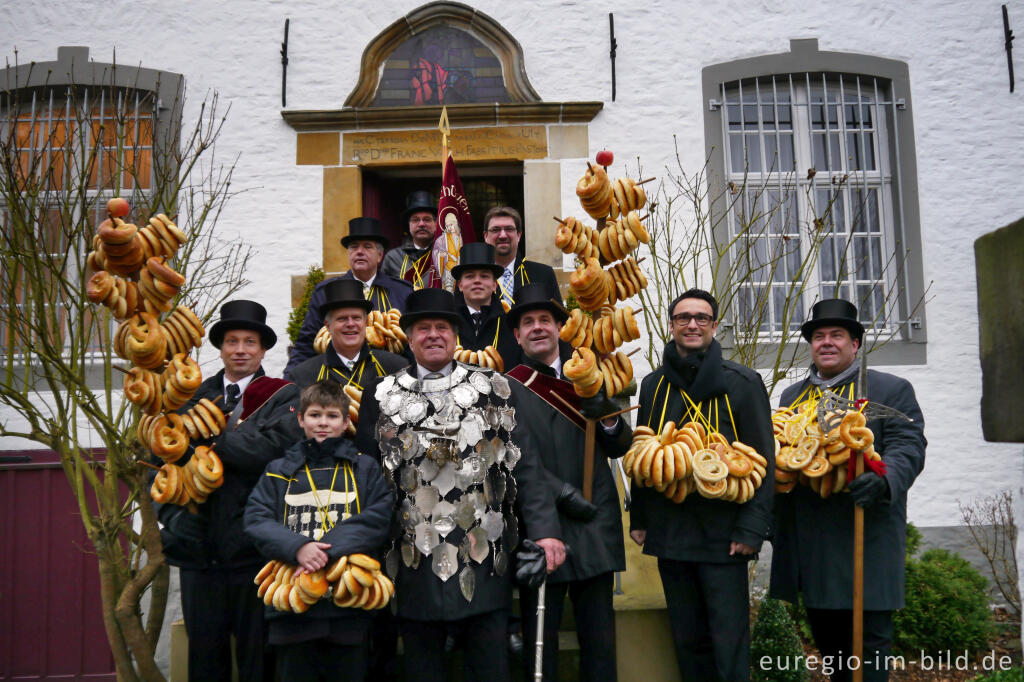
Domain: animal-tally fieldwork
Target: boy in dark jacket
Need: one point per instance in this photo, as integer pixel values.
(320, 501)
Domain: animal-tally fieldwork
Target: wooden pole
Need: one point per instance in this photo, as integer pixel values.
(858, 539)
(588, 460)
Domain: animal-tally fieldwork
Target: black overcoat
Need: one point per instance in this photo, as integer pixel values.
(372, 365)
(246, 450)
(702, 529)
(596, 545)
(421, 595)
(812, 551)
(531, 272)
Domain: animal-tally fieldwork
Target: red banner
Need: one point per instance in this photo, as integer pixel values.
(454, 227)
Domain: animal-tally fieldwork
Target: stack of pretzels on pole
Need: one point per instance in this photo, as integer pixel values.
(133, 279)
(677, 462)
(353, 581)
(384, 331)
(806, 455)
(607, 274)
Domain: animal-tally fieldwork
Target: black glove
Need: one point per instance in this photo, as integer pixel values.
(184, 525)
(597, 406)
(531, 564)
(869, 489)
(571, 501)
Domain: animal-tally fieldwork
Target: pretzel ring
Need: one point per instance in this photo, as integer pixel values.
(166, 485)
(859, 438)
(117, 231)
(817, 467)
(738, 465)
(708, 467)
(711, 489)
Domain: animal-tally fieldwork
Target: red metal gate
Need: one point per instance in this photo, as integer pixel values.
(51, 625)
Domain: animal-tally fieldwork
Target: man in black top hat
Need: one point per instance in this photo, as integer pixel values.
(216, 558)
(503, 229)
(366, 246)
(592, 529)
(446, 433)
(348, 360)
(482, 319)
(411, 260)
(813, 545)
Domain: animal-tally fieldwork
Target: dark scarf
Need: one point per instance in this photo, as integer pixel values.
(699, 374)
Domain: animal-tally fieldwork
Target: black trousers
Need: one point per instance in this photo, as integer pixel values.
(833, 633)
(217, 604)
(595, 627)
(482, 638)
(709, 611)
(321, 660)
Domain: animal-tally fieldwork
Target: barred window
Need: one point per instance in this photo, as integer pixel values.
(817, 159)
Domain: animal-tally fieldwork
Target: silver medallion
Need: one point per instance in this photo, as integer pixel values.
(443, 516)
(493, 417)
(510, 494)
(392, 457)
(428, 469)
(407, 381)
(467, 582)
(392, 403)
(410, 557)
(499, 385)
(465, 512)
(480, 382)
(445, 479)
(413, 409)
(511, 529)
(471, 471)
(407, 479)
(391, 562)
(498, 485)
(472, 431)
(465, 396)
(409, 514)
(478, 547)
(500, 563)
(489, 492)
(444, 561)
(487, 451)
(439, 400)
(512, 455)
(508, 418)
(383, 386)
(386, 428)
(493, 524)
(426, 538)
(426, 498)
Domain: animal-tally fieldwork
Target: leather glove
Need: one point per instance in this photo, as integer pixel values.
(869, 489)
(597, 406)
(184, 525)
(571, 501)
(531, 565)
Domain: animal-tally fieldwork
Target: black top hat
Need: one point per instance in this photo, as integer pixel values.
(429, 303)
(364, 228)
(243, 314)
(343, 293)
(833, 312)
(420, 200)
(535, 297)
(477, 255)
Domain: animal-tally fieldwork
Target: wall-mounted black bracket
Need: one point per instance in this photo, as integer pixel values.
(611, 30)
(1008, 37)
(284, 65)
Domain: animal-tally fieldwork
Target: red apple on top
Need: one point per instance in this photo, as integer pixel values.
(118, 207)
(605, 158)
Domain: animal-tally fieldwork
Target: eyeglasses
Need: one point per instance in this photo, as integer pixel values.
(498, 230)
(702, 319)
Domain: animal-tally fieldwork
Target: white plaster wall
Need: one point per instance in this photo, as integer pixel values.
(967, 128)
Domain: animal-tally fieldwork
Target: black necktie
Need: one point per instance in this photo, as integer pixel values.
(478, 320)
(231, 397)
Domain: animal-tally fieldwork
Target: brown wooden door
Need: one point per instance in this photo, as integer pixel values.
(50, 617)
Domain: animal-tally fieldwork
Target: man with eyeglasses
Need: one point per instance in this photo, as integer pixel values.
(703, 545)
(503, 229)
(812, 550)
